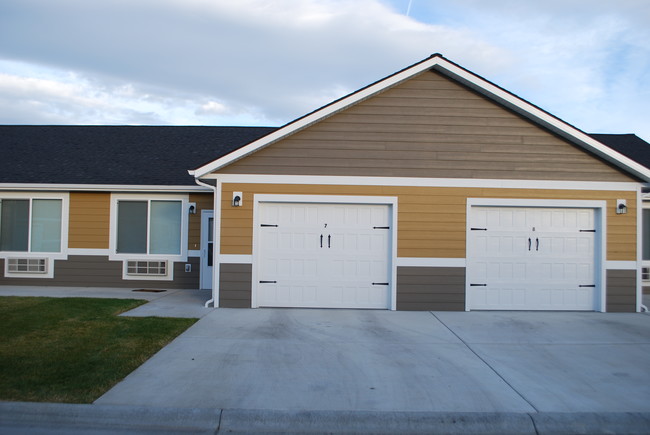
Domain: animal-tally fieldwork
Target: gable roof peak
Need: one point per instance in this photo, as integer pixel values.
(437, 62)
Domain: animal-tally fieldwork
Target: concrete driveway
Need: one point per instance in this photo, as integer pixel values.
(354, 360)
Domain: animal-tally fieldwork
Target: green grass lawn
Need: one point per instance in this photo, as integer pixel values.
(74, 349)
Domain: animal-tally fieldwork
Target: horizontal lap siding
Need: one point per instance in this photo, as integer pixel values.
(235, 281)
(431, 288)
(204, 201)
(431, 220)
(98, 271)
(621, 290)
(89, 220)
(427, 127)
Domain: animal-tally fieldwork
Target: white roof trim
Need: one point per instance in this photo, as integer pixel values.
(100, 187)
(456, 72)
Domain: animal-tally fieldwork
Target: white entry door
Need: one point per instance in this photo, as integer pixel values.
(207, 248)
(323, 255)
(531, 259)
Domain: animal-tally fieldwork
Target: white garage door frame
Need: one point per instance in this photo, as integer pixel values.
(391, 201)
(600, 217)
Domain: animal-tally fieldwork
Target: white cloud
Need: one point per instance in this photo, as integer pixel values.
(264, 62)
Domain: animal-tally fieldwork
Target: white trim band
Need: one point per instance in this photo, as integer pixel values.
(430, 262)
(425, 182)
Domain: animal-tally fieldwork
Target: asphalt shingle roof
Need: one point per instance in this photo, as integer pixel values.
(630, 145)
(152, 155)
(124, 155)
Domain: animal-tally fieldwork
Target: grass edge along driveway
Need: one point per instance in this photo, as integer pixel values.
(73, 350)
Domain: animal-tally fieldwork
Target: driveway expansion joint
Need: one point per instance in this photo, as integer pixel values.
(484, 362)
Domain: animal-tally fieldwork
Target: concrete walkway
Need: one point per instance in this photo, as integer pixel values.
(165, 303)
(358, 371)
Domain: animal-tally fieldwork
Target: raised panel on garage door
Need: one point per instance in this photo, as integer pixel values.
(531, 258)
(323, 255)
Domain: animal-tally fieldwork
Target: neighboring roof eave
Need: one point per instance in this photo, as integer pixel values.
(440, 64)
(100, 187)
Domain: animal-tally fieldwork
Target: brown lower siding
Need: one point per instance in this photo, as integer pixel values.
(431, 288)
(621, 291)
(235, 285)
(98, 271)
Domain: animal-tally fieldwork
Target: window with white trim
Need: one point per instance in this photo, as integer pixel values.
(30, 225)
(149, 227)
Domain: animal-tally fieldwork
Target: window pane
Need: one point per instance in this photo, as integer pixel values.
(46, 225)
(14, 225)
(646, 234)
(132, 227)
(165, 227)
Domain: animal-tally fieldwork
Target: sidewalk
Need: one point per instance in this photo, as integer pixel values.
(63, 419)
(165, 303)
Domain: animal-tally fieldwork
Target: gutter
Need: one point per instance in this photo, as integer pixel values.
(215, 267)
(99, 187)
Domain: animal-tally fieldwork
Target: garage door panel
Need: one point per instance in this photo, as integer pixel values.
(531, 258)
(330, 250)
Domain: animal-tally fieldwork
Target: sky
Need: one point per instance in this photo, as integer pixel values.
(267, 62)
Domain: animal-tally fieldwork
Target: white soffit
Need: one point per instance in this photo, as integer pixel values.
(455, 72)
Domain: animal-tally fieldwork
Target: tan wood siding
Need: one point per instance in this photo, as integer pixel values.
(621, 291)
(235, 285)
(431, 288)
(98, 271)
(428, 127)
(431, 220)
(204, 201)
(89, 220)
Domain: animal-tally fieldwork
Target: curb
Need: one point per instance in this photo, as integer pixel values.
(57, 418)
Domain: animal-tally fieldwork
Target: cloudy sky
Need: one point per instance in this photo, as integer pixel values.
(266, 62)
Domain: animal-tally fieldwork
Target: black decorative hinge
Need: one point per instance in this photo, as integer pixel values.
(379, 283)
(268, 282)
(587, 231)
(381, 228)
(269, 225)
(478, 229)
(587, 285)
(478, 285)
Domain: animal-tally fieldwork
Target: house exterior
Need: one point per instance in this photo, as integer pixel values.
(77, 209)
(431, 189)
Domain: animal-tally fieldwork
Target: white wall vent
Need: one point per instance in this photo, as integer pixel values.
(27, 265)
(146, 268)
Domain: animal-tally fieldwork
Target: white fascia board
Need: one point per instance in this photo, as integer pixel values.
(316, 116)
(100, 187)
(462, 75)
(541, 117)
(425, 182)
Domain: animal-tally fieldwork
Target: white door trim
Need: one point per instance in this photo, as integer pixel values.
(205, 219)
(327, 199)
(600, 208)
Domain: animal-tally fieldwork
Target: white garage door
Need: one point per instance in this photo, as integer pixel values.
(323, 255)
(531, 259)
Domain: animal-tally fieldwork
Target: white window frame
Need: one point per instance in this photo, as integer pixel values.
(171, 258)
(48, 256)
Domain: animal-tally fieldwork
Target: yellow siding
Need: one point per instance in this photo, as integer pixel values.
(431, 220)
(204, 201)
(89, 220)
